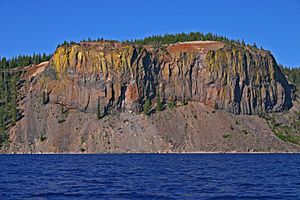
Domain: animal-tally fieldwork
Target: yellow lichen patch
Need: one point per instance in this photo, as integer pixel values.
(73, 55)
(130, 52)
(123, 61)
(79, 59)
(271, 65)
(116, 60)
(210, 60)
(60, 59)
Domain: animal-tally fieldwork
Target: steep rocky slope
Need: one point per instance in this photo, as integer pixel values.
(121, 77)
(90, 96)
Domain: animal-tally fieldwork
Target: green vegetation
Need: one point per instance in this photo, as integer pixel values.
(43, 137)
(45, 98)
(22, 61)
(185, 102)
(226, 136)
(293, 74)
(158, 40)
(159, 105)
(82, 139)
(98, 112)
(9, 85)
(61, 120)
(296, 121)
(66, 43)
(171, 104)
(8, 103)
(179, 37)
(245, 132)
(10, 81)
(63, 114)
(288, 138)
(185, 37)
(147, 107)
(286, 132)
(4, 138)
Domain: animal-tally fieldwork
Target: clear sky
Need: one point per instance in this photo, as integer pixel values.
(38, 26)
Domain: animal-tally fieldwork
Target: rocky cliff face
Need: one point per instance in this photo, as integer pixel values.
(64, 101)
(114, 77)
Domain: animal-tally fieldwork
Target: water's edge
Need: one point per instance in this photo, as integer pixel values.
(142, 153)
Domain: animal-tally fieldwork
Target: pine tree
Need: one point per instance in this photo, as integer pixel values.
(243, 42)
(171, 104)
(159, 106)
(98, 112)
(2, 113)
(44, 57)
(147, 107)
(3, 63)
(3, 134)
(254, 45)
(45, 98)
(13, 99)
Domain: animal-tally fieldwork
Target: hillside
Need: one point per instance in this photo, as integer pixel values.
(108, 96)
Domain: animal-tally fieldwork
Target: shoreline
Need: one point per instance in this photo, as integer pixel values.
(119, 153)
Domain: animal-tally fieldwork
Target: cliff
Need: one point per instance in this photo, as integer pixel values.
(90, 95)
(121, 77)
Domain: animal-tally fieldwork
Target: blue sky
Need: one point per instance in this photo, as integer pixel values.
(38, 26)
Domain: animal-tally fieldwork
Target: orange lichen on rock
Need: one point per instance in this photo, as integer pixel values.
(195, 46)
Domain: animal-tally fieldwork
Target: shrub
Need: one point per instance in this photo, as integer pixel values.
(45, 98)
(159, 106)
(171, 104)
(43, 137)
(98, 110)
(4, 138)
(147, 107)
(61, 121)
(226, 136)
(185, 102)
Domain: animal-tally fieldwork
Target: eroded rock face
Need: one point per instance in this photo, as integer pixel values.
(63, 102)
(115, 77)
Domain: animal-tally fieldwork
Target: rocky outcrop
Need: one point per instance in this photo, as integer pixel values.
(112, 77)
(63, 102)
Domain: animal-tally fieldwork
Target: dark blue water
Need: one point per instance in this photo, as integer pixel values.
(131, 176)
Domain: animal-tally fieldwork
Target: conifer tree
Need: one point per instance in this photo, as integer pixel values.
(147, 107)
(13, 99)
(98, 112)
(159, 106)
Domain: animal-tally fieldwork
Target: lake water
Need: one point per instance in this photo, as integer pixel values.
(150, 176)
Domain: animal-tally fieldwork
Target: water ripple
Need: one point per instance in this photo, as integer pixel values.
(150, 176)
